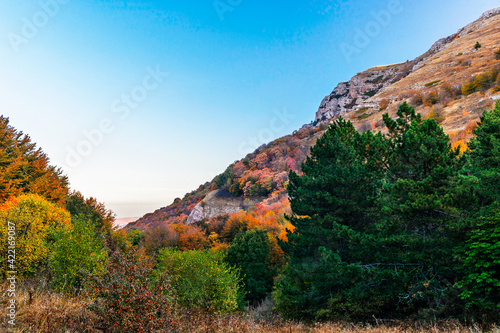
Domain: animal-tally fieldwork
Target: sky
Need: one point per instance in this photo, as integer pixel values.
(140, 102)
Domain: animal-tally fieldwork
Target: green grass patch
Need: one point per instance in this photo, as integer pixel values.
(376, 80)
(433, 83)
(363, 110)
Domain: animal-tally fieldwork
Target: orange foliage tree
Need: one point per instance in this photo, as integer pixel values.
(26, 169)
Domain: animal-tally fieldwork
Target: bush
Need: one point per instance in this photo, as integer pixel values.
(417, 98)
(431, 98)
(384, 104)
(31, 221)
(468, 88)
(477, 46)
(127, 300)
(160, 237)
(437, 114)
(192, 238)
(78, 251)
(497, 54)
(200, 279)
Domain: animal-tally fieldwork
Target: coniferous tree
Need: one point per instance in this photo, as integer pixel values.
(481, 173)
(332, 204)
(250, 252)
(376, 226)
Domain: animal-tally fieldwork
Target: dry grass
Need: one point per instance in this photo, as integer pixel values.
(47, 312)
(53, 312)
(249, 324)
(445, 69)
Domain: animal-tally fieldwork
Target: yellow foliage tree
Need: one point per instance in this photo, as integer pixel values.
(27, 226)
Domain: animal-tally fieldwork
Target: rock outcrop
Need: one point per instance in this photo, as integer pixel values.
(356, 93)
(215, 203)
(359, 92)
(450, 62)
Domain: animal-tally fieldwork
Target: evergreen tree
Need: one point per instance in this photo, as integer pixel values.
(376, 226)
(481, 283)
(421, 225)
(480, 185)
(333, 204)
(250, 252)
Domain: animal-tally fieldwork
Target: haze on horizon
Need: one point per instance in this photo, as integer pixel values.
(141, 102)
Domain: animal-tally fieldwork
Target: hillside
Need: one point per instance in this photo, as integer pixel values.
(260, 177)
(453, 82)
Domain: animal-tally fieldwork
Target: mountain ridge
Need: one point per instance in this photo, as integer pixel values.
(433, 83)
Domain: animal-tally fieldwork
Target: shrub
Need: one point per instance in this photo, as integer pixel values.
(192, 238)
(437, 114)
(384, 104)
(160, 237)
(497, 54)
(417, 98)
(431, 98)
(483, 81)
(477, 46)
(200, 279)
(127, 300)
(33, 221)
(77, 251)
(236, 223)
(468, 88)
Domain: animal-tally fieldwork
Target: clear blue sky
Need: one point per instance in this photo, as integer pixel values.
(233, 71)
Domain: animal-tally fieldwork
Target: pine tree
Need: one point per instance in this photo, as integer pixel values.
(332, 204)
(376, 224)
(481, 173)
(250, 252)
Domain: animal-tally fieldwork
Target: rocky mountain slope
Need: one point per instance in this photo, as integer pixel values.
(366, 89)
(453, 82)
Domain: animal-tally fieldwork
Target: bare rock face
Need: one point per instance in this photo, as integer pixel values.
(355, 93)
(471, 27)
(215, 203)
(359, 92)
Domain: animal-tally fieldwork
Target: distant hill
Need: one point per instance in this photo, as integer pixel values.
(453, 82)
(120, 223)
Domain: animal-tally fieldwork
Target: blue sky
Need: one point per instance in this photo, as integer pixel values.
(142, 101)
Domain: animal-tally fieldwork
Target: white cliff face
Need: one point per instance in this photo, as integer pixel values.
(360, 91)
(356, 93)
(215, 204)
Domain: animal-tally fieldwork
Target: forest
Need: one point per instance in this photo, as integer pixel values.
(396, 226)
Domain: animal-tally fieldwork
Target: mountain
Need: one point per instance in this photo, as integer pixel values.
(453, 82)
(122, 222)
